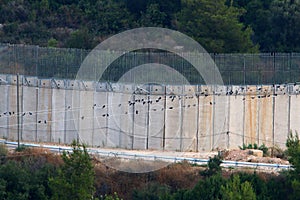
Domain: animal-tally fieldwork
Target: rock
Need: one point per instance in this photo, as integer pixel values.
(251, 159)
(256, 152)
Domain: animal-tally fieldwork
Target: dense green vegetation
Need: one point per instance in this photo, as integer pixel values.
(38, 174)
(221, 26)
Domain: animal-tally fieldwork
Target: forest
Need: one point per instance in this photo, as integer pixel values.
(220, 26)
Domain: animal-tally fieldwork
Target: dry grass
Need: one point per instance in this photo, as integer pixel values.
(40, 155)
(176, 176)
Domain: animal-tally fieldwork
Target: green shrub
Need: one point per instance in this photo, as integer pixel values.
(214, 166)
(255, 146)
(21, 148)
(75, 178)
(262, 147)
(293, 150)
(3, 151)
(18, 181)
(235, 189)
(209, 188)
(110, 197)
(153, 191)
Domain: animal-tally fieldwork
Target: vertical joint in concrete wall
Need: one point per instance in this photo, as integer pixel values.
(258, 91)
(213, 117)
(244, 114)
(164, 125)
(198, 118)
(273, 120)
(289, 114)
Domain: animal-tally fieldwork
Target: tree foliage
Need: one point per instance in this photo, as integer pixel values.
(216, 26)
(293, 147)
(234, 189)
(25, 179)
(75, 179)
(231, 26)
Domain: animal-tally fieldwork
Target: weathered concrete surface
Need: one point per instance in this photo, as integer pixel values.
(29, 113)
(251, 117)
(295, 113)
(205, 135)
(4, 126)
(101, 109)
(29, 106)
(72, 112)
(281, 120)
(236, 110)
(58, 109)
(140, 120)
(172, 118)
(265, 121)
(221, 119)
(190, 119)
(156, 118)
(86, 112)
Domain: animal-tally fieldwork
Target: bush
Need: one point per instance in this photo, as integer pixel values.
(293, 150)
(153, 191)
(75, 178)
(213, 166)
(236, 190)
(277, 152)
(3, 152)
(262, 147)
(210, 188)
(110, 197)
(18, 181)
(21, 148)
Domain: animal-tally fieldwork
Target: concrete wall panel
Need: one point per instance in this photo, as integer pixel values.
(265, 118)
(156, 122)
(58, 110)
(173, 120)
(72, 113)
(11, 112)
(189, 123)
(116, 111)
(126, 125)
(3, 109)
(236, 121)
(58, 115)
(44, 114)
(86, 118)
(140, 118)
(281, 120)
(295, 113)
(205, 123)
(101, 111)
(120, 125)
(29, 113)
(251, 116)
(220, 123)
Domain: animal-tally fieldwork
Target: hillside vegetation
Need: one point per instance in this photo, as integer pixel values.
(38, 174)
(221, 26)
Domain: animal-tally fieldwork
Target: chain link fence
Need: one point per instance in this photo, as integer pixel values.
(236, 69)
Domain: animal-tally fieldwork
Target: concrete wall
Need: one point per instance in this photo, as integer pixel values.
(173, 118)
